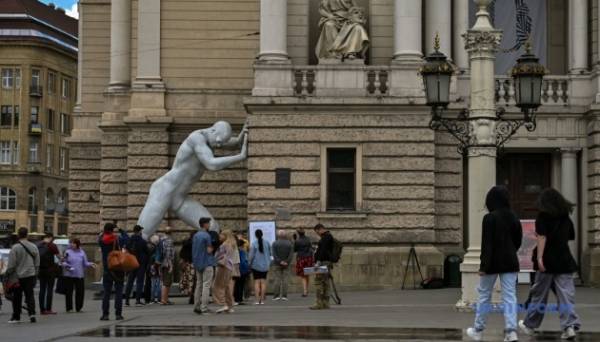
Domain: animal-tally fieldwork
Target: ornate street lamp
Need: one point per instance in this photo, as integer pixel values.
(527, 75)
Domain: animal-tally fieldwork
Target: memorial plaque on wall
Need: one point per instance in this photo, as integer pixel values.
(283, 178)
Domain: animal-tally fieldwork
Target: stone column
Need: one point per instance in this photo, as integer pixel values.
(148, 49)
(273, 31)
(77, 108)
(407, 30)
(481, 42)
(569, 187)
(578, 35)
(460, 26)
(438, 20)
(120, 43)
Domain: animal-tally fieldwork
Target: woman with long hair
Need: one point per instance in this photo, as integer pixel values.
(554, 264)
(260, 261)
(501, 239)
(225, 259)
(304, 258)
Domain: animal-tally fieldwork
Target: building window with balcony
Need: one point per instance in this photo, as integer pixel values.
(63, 159)
(341, 178)
(66, 88)
(50, 123)
(35, 114)
(6, 115)
(64, 124)
(51, 82)
(49, 202)
(16, 116)
(5, 152)
(15, 154)
(8, 199)
(32, 201)
(49, 157)
(7, 78)
(33, 151)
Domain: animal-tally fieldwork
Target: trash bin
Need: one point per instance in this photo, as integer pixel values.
(452, 276)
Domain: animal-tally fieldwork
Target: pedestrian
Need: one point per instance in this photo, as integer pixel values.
(323, 257)
(283, 254)
(23, 264)
(204, 263)
(235, 271)
(166, 259)
(49, 270)
(74, 263)
(304, 258)
(260, 260)
(137, 246)
(188, 275)
(554, 264)
(108, 241)
(501, 239)
(224, 258)
(240, 282)
(155, 290)
(3, 266)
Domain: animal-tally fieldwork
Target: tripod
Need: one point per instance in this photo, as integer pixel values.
(413, 263)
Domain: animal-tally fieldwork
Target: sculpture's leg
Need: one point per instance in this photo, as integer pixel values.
(191, 211)
(156, 207)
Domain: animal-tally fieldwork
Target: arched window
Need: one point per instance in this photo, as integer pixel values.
(50, 202)
(8, 199)
(32, 200)
(61, 201)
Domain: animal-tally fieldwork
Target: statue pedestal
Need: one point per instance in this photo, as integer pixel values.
(337, 61)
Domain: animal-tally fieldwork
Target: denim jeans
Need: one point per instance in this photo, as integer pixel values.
(108, 282)
(508, 282)
(155, 291)
(46, 293)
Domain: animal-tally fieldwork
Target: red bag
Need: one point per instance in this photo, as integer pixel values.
(9, 289)
(121, 261)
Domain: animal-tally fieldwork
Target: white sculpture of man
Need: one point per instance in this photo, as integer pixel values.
(195, 155)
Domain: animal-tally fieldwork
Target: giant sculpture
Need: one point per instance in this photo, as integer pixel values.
(343, 34)
(195, 155)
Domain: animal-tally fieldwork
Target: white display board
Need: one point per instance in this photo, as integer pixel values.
(267, 227)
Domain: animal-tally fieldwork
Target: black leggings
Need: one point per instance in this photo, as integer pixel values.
(74, 285)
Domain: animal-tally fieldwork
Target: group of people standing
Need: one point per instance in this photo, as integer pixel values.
(553, 262)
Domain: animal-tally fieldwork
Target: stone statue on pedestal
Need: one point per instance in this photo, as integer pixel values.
(195, 155)
(343, 34)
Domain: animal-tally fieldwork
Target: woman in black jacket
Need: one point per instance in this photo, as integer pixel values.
(500, 241)
(554, 264)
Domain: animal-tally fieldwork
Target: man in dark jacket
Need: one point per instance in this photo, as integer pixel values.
(49, 270)
(138, 247)
(323, 258)
(108, 241)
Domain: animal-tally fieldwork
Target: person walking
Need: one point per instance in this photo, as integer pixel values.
(304, 258)
(49, 270)
(74, 263)
(501, 239)
(137, 246)
(240, 282)
(204, 264)
(166, 259)
(188, 274)
(283, 254)
(108, 241)
(323, 257)
(554, 264)
(260, 260)
(23, 263)
(224, 260)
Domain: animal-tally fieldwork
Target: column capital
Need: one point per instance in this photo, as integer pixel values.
(571, 152)
(482, 151)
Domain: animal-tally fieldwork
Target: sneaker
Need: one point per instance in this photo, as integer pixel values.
(568, 334)
(511, 337)
(14, 321)
(32, 319)
(256, 303)
(50, 312)
(119, 318)
(236, 304)
(127, 303)
(284, 299)
(276, 298)
(474, 334)
(316, 307)
(139, 304)
(525, 329)
(198, 312)
(230, 311)
(69, 311)
(44, 313)
(104, 318)
(223, 309)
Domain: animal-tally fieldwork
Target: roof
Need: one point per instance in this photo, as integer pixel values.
(49, 14)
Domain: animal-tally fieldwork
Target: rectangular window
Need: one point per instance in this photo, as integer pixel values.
(64, 123)
(63, 159)
(33, 152)
(17, 114)
(15, 153)
(18, 78)
(6, 115)
(51, 82)
(50, 123)
(35, 114)
(49, 157)
(7, 78)
(66, 88)
(341, 179)
(5, 152)
(35, 78)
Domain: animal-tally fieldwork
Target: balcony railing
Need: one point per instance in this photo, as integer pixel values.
(555, 91)
(35, 128)
(361, 81)
(36, 90)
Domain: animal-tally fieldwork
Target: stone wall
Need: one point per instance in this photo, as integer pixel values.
(591, 262)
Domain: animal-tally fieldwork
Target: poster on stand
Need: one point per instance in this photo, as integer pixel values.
(267, 227)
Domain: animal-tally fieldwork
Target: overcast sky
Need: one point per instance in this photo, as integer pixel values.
(70, 6)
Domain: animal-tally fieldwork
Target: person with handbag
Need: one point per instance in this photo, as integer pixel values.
(23, 264)
(49, 271)
(74, 264)
(108, 242)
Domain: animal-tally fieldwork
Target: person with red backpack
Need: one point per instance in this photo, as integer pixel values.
(49, 270)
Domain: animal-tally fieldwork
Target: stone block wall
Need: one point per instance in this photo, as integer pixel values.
(592, 257)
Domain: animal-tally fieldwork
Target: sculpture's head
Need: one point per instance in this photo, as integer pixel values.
(219, 134)
(357, 15)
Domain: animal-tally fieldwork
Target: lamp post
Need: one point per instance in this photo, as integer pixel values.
(481, 129)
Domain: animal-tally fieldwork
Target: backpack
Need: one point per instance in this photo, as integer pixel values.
(336, 250)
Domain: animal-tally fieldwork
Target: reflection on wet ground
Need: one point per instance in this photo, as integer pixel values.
(306, 333)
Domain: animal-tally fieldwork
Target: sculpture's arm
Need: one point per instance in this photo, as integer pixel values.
(324, 11)
(212, 163)
(236, 142)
